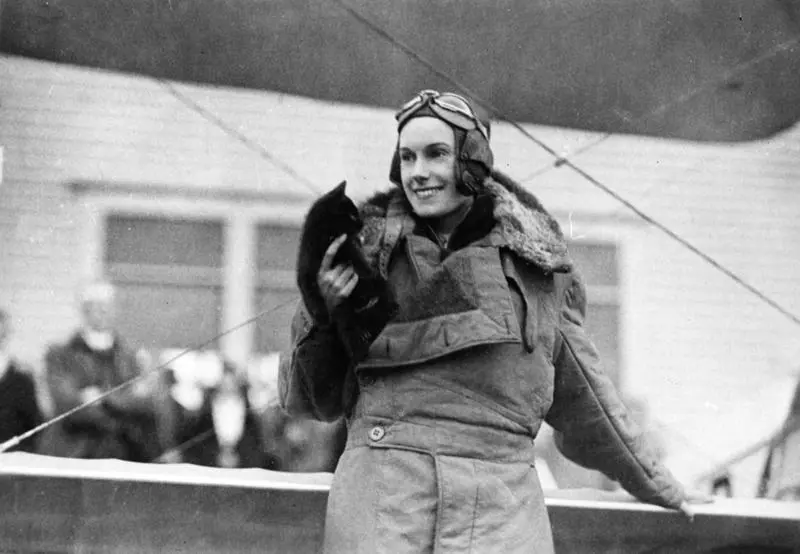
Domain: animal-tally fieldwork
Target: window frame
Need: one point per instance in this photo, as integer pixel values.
(275, 280)
(240, 216)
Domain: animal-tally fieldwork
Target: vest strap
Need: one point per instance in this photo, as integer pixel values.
(396, 219)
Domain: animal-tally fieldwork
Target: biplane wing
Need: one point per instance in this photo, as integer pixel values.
(64, 505)
(720, 70)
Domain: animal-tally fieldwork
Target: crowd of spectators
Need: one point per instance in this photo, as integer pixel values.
(189, 407)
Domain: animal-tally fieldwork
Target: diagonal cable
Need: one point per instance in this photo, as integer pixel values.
(264, 153)
(564, 158)
(185, 445)
(377, 29)
(238, 135)
(561, 160)
(14, 441)
(672, 234)
(660, 109)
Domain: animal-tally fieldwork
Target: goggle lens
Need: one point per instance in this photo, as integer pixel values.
(455, 103)
(447, 101)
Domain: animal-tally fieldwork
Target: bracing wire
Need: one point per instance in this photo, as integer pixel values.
(14, 441)
(661, 108)
(569, 156)
(565, 161)
(377, 29)
(686, 244)
(186, 445)
(560, 160)
(238, 135)
(261, 151)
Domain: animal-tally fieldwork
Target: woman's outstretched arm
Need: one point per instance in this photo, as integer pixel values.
(593, 426)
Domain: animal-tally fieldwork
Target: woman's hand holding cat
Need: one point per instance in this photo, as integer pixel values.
(335, 283)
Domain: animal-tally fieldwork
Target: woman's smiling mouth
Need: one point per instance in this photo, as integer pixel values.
(427, 192)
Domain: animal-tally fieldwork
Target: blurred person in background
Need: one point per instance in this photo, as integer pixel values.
(19, 407)
(206, 417)
(487, 344)
(94, 360)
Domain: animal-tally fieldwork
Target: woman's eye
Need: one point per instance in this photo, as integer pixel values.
(406, 157)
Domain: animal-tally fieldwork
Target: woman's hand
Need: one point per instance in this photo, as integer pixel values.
(693, 497)
(335, 283)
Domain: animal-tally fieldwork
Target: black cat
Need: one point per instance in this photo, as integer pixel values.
(361, 318)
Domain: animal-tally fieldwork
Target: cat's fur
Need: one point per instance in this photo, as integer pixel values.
(360, 318)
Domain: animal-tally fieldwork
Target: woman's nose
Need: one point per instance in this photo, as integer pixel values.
(420, 169)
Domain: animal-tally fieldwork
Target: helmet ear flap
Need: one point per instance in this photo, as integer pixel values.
(475, 148)
(475, 161)
(473, 174)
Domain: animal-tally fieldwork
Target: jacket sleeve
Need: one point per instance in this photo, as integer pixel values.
(315, 379)
(593, 427)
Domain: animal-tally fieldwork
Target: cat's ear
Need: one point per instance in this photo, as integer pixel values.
(339, 190)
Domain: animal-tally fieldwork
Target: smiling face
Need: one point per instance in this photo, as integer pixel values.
(428, 169)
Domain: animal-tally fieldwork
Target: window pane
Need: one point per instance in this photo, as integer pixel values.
(276, 291)
(163, 316)
(158, 241)
(276, 307)
(277, 247)
(596, 262)
(168, 274)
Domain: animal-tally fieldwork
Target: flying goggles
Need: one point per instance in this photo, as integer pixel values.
(450, 107)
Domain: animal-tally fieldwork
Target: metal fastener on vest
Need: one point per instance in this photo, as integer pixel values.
(376, 433)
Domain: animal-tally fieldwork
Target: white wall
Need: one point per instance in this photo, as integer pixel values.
(714, 363)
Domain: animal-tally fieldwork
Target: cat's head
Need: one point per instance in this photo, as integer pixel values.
(339, 211)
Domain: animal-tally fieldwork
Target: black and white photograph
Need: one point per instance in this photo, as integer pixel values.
(407, 276)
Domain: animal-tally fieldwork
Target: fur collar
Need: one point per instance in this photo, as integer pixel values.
(525, 226)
